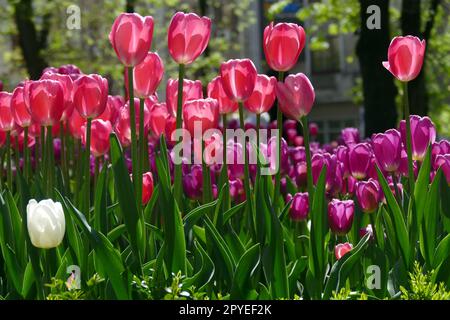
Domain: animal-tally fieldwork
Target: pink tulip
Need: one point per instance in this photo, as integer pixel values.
(147, 75)
(313, 129)
(131, 37)
(263, 95)
(387, 148)
(282, 45)
(19, 109)
(203, 111)
(320, 160)
(147, 187)
(340, 216)
(368, 194)
(295, 96)
(405, 57)
(67, 85)
(215, 91)
(76, 124)
(359, 159)
(342, 249)
(188, 37)
(442, 147)
(91, 95)
(111, 112)
(192, 90)
(6, 115)
(45, 101)
(100, 132)
(158, 118)
(238, 78)
(122, 127)
(350, 136)
(423, 133)
(299, 207)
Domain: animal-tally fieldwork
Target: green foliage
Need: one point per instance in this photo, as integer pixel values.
(422, 286)
(60, 290)
(346, 294)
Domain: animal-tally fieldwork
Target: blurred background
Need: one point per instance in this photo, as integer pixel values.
(342, 55)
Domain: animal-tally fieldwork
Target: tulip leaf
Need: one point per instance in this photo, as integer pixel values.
(342, 268)
(442, 252)
(398, 220)
(421, 187)
(429, 227)
(175, 253)
(193, 216)
(245, 269)
(206, 269)
(319, 229)
(100, 203)
(232, 211)
(126, 197)
(108, 256)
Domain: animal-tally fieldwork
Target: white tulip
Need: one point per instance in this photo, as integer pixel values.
(46, 223)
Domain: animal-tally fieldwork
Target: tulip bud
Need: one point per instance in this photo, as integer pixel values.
(405, 57)
(342, 249)
(67, 86)
(91, 95)
(359, 157)
(147, 187)
(147, 75)
(6, 116)
(443, 162)
(238, 78)
(100, 132)
(368, 194)
(387, 148)
(204, 112)
(340, 216)
(193, 183)
(263, 96)
(350, 136)
(19, 109)
(158, 118)
(46, 223)
(131, 37)
(423, 133)
(299, 207)
(295, 96)
(215, 91)
(188, 37)
(192, 90)
(282, 45)
(313, 129)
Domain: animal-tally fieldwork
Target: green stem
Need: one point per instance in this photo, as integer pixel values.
(134, 150)
(224, 173)
(64, 154)
(408, 138)
(309, 176)
(143, 151)
(178, 167)
(50, 162)
(8, 160)
(16, 153)
(43, 167)
(26, 155)
(87, 171)
(206, 178)
(244, 150)
(276, 191)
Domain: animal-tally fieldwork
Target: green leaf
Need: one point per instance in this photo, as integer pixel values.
(421, 187)
(245, 270)
(206, 269)
(100, 203)
(28, 280)
(232, 211)
(108, 256)
(442, 252)
(193, 216)
(126, 197)
(342, 268)
(398, 220)
(429, 226)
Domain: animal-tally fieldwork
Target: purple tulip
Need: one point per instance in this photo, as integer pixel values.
(299, 206)
(340, 216)
(367, 230)
(443, 162)
(387, 149)
(320, 160)
(359, 157)
(235, 161)
(342, 157)
(368, 195)
(300, 175)
(350, 136)
(193, 183)
(237, 191)
(439, 148)
(423, 133)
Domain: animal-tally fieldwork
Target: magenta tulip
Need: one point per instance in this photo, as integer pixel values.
(6, 115)
(299, 207)
(423, 133)
(238, 78)
(147, 75)
(91, 95)
(387, 148)
(263, 95)
(295, 96)
(20, 112)
(202, 112)
(192, 90)
(368, 194)
(443, 162)
(340, 216)
(359, 159)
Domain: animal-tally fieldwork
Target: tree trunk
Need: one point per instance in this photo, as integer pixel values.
(31, 42)
(378, 85)
(129, 7)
